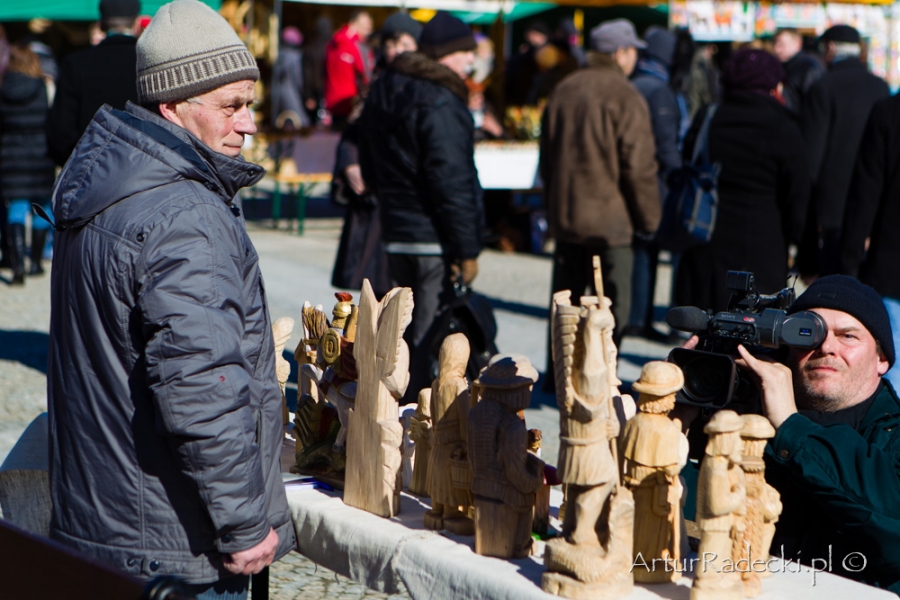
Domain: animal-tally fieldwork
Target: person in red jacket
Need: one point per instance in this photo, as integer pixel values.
(348, 66)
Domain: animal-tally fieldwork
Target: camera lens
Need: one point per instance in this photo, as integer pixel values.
(705, 379)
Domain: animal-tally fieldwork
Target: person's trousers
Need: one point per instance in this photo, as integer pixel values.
(428, 277)
(573, 270)
(643, 284)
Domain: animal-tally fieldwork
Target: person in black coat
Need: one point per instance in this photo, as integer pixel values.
(26, 171)
(873, 213)
(763, 185)
(90, 78)
(833, 120)
(651, 78)
(801, 70)
(417, 157)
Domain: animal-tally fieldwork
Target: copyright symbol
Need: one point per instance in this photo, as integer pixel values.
(854, 562)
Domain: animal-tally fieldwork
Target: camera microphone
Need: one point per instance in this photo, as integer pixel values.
(687, 318)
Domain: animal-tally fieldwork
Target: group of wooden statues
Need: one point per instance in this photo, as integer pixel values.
(475, 458)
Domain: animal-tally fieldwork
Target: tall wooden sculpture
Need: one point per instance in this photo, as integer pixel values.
(763, 505)
(373, 444)
(505, 476)
(421, 433)
(721, 494)
(594, 558)
(449, 475)
(655, 450)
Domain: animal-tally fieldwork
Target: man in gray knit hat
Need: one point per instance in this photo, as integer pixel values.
(164, 407)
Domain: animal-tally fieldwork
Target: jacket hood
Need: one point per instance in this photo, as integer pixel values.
(123, 153)
(416, 64)
(19, 88)
(343, 35)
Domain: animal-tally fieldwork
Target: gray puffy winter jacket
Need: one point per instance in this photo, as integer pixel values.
(165, 413)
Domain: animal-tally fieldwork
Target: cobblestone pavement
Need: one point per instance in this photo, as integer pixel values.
(295, 269)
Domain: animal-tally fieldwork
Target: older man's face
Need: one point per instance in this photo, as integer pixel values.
(843, 371)
(220, 118)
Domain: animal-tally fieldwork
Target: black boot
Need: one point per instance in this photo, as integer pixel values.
(38, 240)
(17, 246)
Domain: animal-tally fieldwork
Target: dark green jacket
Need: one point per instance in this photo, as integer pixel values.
(841, 492)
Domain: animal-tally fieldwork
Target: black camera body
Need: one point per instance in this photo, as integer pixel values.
(757, 321)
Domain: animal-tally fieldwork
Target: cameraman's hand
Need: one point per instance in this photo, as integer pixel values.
(686, 413)
(776, 385)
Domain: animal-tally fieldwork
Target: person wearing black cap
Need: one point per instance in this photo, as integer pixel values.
(522, 67)
(836, 449)
(833, 120)
(417, 157)
(399, 33)
(90, 78)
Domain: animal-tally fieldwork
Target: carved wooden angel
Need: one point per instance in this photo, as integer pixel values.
(281, 332)
(655, 450)
(373, 451)
(449, 475)
(594, 557)
(721, 496)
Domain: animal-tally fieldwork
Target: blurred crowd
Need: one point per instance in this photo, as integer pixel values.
(802, 135)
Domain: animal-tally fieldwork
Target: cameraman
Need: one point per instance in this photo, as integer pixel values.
(835, 457)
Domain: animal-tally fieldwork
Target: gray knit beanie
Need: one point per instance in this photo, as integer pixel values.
(187, 50)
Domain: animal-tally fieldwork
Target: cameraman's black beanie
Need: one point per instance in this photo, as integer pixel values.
(846, 294)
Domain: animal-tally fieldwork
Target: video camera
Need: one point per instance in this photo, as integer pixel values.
(759, 322)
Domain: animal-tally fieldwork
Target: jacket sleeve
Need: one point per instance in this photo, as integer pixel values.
(865, 196)
(854, 482)
(816, 125)
(446, 143)
(666, 122)
(638, 165)
(62, 121)
(193, 324)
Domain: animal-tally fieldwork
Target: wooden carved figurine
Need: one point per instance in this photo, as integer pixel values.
(763, 505)
(281, 332)
(721, 494)
(326, 388)
(372, 481)
(449, 475)
(593, 558)
(505, 476)
(420, 431)
(655, 450)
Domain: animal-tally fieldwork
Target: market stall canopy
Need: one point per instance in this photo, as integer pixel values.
(71, 10)
(479, 12)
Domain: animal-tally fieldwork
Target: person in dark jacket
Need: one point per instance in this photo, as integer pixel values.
(837, 443)
(651, 78)
(26, 171)
(288, 111)
(598, 165)
(165, 411)
(870, 246)
(360, 253)
(833, 120)
(763, 185)
(801, 70)
(417, 157)
(90, 78)
(314, 68)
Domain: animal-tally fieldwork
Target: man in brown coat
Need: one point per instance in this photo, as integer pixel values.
(598, 168)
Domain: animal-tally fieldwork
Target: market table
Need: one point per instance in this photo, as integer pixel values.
(504, 165)
(399, 554)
